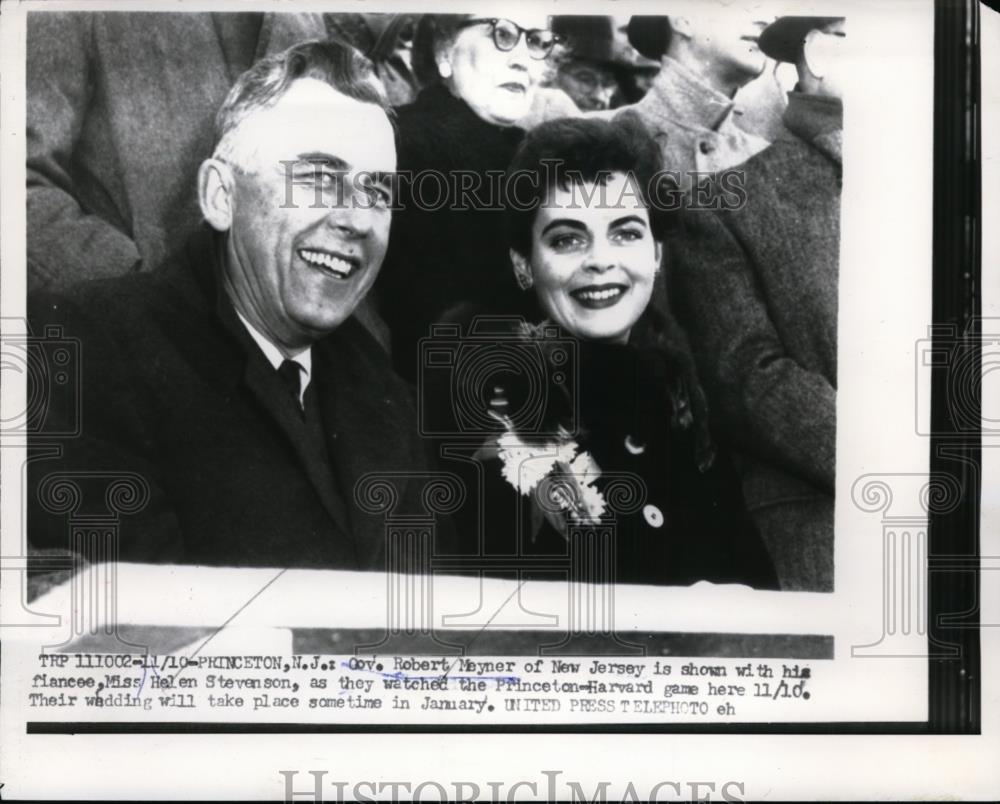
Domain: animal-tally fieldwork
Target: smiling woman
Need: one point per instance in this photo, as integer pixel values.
(593, 266)
(586, 254)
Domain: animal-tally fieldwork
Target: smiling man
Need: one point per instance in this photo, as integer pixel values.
(232, 387)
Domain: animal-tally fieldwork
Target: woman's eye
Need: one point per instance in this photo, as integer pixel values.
(628, 235)
(565, 242)
(506, 37)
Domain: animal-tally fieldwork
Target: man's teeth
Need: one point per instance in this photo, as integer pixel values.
(324, 260)
(599, 295)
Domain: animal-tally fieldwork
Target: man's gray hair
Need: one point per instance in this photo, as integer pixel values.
(335, 63)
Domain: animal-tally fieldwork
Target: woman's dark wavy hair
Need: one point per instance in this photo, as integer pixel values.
(579, 149)
(589, 150)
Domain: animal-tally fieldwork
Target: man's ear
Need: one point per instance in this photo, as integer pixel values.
(816, 53)
(522, 269)
(215, 193)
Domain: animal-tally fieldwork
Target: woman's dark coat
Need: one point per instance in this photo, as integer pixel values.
(447, 243)
(692, 524)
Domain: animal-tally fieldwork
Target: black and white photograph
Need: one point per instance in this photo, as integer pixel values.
(517, 376)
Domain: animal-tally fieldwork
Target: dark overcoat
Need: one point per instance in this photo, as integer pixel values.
(173, 389)
(675, 513)
(447, 245)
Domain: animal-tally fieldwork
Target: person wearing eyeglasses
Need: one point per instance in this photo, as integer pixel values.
(590, 68)
(756, 289)
(480, 75)
(230, 391)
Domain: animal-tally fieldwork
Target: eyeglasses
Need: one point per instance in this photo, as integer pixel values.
(591, 80)
(507, 34)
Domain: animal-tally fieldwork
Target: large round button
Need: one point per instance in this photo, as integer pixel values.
(653, 515)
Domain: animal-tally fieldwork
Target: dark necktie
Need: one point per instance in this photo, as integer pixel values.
(291, 375)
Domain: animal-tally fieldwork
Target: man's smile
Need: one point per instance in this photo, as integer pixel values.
(336, 264)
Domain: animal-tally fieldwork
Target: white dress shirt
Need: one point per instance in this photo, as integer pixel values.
(276, 358)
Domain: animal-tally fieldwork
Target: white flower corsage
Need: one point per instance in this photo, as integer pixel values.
(558, 471)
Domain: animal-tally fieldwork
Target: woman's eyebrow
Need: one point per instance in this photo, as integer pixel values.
(569, 222)
(627, 219)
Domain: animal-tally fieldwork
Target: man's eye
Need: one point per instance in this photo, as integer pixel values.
(379, 194)
(327, 178)
(320, 177)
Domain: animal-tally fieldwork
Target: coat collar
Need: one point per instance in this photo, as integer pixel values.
(681, 97)
(438, 102)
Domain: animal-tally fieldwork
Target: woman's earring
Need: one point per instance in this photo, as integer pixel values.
(444, 68)
(524, 280)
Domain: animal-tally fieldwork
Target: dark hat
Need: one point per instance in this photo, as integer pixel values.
(782, 40)
(650, 35)
(586, 37)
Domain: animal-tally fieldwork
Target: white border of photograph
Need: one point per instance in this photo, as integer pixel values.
(885, 307)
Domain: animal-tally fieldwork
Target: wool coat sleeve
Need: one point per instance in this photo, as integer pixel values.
(65, 241)
(766, 401)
